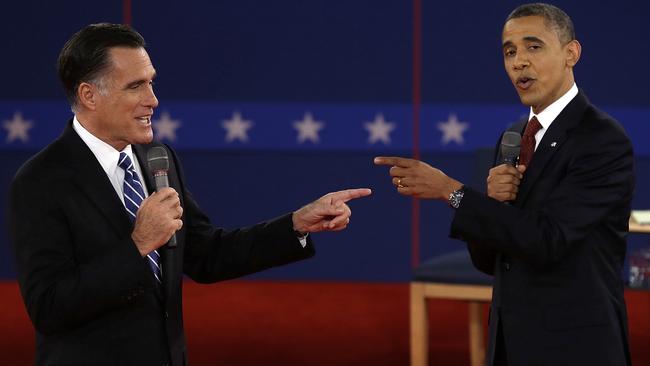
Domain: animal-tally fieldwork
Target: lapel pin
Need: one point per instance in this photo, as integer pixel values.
(553, 144)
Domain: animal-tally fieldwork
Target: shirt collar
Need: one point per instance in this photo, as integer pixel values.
(550, 113)
(106, 154)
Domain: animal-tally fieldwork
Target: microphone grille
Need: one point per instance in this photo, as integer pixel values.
(157, 159)
(510, 145)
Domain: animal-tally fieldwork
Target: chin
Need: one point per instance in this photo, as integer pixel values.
(146, 139)
(526, 100)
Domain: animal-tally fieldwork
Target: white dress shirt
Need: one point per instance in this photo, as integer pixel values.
(550, 113)
(108, 158)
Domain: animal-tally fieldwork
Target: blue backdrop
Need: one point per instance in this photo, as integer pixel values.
(272, 104)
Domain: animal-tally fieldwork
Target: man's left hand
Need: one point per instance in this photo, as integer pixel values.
(419, 179)
(328, 213)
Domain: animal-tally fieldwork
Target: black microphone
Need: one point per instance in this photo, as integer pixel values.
(510, 147)
(158, 163)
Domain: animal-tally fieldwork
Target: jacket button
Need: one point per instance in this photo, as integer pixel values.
(506, 266)
(166, 315)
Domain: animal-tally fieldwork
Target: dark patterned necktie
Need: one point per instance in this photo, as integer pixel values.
(133, 197)
(528, 141)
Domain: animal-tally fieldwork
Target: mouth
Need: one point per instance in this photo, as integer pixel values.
(144, 120)
(524, 82)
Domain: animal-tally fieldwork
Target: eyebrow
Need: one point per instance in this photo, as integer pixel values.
(533, 39)
(527, 38)
(139, 82)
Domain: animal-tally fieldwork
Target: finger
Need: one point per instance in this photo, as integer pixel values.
(396, 171)
(349, 194)
(327, 210)
(404, 190)
(521, 168)
(328, 226)
(165, 194)
(339, 228)
(341, 218)
(504, 176)
(505, 179)
(505, 169)
(394, 160)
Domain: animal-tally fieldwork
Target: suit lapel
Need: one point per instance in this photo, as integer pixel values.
(90, 178)
(552, 142)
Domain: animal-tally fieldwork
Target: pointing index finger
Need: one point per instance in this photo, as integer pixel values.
(393, 160)
(348, 194)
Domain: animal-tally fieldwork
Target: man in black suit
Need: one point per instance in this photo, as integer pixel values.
(99, 284)
(552, 230)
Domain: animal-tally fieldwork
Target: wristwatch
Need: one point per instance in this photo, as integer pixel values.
(456, 196)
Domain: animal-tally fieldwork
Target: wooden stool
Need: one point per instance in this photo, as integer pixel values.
(453, 277)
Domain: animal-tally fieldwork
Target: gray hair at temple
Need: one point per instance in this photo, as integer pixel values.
(85, 56)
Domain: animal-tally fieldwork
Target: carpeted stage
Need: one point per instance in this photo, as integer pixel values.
(246, 323)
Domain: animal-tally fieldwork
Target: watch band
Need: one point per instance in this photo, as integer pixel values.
(456, 196)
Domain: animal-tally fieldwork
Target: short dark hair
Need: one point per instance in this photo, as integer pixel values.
(85, 56)
(553, 16)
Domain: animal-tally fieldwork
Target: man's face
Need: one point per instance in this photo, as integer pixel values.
(124, 109)
(538, 64)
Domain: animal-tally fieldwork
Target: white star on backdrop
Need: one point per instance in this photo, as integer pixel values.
(17, 128)
(165, 127)
(452, 130)
(236, 128)
(379, 130)
(308, 128)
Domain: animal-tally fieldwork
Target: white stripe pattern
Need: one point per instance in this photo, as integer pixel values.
(133, 197)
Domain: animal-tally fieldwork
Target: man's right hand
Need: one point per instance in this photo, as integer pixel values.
(157, 219)
(503, 182)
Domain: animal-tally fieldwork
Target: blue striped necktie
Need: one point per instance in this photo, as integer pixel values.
(133, 197)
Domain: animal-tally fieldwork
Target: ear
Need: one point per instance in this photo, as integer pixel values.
(87, 95)
(573, 51)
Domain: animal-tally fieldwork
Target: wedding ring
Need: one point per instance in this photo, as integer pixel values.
(399, 183)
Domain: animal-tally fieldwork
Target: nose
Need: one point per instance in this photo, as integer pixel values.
(150, 99)
(521, 61)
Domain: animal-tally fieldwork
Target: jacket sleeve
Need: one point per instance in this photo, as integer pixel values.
(212, 253)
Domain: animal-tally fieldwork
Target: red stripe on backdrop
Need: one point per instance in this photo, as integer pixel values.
(126, 12)
(417, 74)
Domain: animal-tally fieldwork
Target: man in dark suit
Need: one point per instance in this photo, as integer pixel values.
(552, 230)
(89, 230)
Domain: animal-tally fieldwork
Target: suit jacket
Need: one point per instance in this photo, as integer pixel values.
(557, 252)
(92, 298)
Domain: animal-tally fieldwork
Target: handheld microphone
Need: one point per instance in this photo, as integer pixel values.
(510, 147)
(158, 163)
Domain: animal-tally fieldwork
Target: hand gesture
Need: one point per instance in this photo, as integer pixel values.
(328, 213)
(419, 179)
